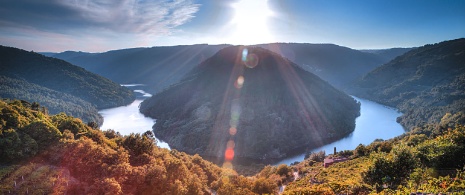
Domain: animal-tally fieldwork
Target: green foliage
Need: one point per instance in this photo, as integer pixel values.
(57, 84)
(62, 155)
(43, 132)
(55, 101)
(424, 84)
(283, 170)
(412, 162)
(24, 132)
(264, 186)
(316, 156)
(360, 151)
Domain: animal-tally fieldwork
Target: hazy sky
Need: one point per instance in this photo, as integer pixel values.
(101, 25)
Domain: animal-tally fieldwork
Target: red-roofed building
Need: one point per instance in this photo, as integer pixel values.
(329, 161)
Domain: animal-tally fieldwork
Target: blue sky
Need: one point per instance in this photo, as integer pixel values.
(102, 25)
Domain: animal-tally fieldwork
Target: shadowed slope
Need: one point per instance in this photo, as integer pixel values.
(252, 103)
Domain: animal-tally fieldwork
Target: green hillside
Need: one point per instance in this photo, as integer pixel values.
(58, 85)
(424, 83)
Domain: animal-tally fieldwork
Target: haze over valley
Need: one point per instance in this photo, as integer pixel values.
(232, 97)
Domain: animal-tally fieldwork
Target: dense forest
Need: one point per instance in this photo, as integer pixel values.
(58, 154)
(265, 106)
(55, 101)
(58, 85)
(424, 83)
(428, 160)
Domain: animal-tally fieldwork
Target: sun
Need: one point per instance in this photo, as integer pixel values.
(250, 21)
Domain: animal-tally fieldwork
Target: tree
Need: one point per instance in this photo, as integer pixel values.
(264, 186)
(361, 150)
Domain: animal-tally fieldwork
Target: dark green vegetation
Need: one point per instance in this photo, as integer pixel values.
(424, 83)
(336, 64)
(156, 67)
(59, 154)
(278, 110)
(44, 154)
(58, 85)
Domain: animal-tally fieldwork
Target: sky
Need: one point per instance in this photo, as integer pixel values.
(102, 25)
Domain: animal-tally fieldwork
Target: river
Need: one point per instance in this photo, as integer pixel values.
(376, 121)
(128, 119)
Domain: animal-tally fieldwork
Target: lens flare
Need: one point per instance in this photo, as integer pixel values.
(230, 144)
(244, 54)
(251, 61)
(232, 131)
(229, 154)
(239, 82)
(228, 165)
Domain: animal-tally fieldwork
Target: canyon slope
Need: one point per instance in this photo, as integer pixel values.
(253, 101)
(58, 85)
(424, 83)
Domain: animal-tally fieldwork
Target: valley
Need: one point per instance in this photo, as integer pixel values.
(255, 103)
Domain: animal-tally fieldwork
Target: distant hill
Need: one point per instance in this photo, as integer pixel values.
(157, 67)
(424, 83)
(270, 110)
(48, 54)
(58, 84)
(336, 64)
(56, 101)
(388, 54)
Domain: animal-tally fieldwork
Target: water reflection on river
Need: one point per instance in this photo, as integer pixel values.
(128, 119)
(376, 121)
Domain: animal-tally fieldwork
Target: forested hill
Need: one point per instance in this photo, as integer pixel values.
(57, 84)
(45, 154)
(156, 67)
(336, 64)
(58, 154)
(424, 83)
(267, 105)
(159, 67)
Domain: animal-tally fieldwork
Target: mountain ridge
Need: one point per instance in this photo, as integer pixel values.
(151, 66)
(232, 93)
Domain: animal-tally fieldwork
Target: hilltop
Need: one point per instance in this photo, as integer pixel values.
(160, 67)
(254, 98)
(333, 63)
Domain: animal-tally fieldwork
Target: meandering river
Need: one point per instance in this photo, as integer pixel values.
(128, 119)
(376, 121)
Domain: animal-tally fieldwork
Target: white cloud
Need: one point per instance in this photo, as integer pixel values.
(91, 25)
(135, 16)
